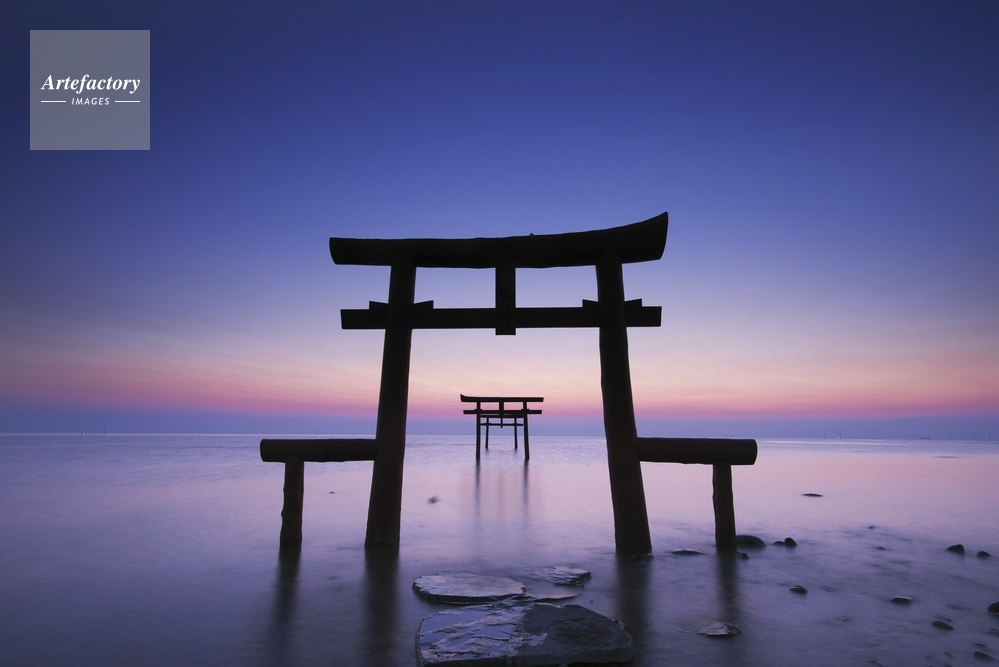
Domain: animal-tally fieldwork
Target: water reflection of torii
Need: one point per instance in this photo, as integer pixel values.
(607, 250)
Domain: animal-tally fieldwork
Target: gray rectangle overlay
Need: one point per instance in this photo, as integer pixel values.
(89, 90)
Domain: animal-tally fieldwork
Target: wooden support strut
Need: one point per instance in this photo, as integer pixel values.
(291, 512)
(721, 454)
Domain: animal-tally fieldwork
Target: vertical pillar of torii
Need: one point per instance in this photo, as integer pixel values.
(631, 519)
(385, 503)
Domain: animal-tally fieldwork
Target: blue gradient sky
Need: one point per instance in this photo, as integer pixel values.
(830, 170)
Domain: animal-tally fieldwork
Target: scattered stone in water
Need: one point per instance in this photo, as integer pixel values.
(779, 543)
(871, 527)
(750, 541)
(982, 655)
(332, 491)
(560, 575)
(956, 548)
(982, 644)
(720, 630)
(984, 554)
(994, 608)
(454, 587)
(829, 589)
(433, 499)
(742, 554)
(688, 552)
(943, 623)
(521, 633)
(901, 599)
(797, 588)
(642, 558)
(789, 542)
(993, 631)
(551, 596)
(812, 495)
(880, 548)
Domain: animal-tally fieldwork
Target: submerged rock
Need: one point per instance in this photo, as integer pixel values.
(984, 554)
(749, 541)
(956, 548)
(901, 599)
(812, 495)
(688, 552)
(982, 655)
(742, 554)
(560, 575)
(789, 542)
(516, 633)
(942, 622)
(454, 587)
(993, 631)
(799, 589)
(720, 630)
(994, 608)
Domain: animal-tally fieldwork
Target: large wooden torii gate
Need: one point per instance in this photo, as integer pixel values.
(607, 250)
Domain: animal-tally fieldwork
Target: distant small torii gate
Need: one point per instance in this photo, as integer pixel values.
(507, 417)
(607, 250)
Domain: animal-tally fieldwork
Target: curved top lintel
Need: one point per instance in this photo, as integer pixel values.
(638, 242)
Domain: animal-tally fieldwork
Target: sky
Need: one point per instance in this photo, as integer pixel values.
(830, 172)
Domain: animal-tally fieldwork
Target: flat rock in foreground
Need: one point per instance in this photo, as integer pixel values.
(560, 575)
(517, 633)
(454, 587)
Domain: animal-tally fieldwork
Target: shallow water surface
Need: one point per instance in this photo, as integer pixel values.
(162, 550)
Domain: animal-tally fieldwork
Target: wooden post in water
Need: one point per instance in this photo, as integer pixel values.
(721, 478)
(527, 441)
(291, 513)
(631, 519)
(478, 436)
(515, 432)
(385, 503)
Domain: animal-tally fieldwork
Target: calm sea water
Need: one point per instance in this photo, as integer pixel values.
(162, 550)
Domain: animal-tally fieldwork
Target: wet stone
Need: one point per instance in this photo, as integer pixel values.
(993, 631)
(982, 655)
(551, 596)
(455, 587)
(688, 552)
(742, 554)
(956, 548)
(789, 542)
(560, 575)
(720, 630)
(994, 608)
(901, 599)
(520, 633)
(942, 622)
(812, 495)
(799, 589)
(984, 554)
(749, 541)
